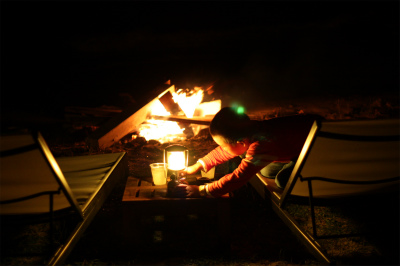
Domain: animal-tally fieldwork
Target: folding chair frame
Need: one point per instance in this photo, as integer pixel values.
(279, 199)
(90, 210)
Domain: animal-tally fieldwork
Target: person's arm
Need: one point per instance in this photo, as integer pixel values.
(214, 158)
(257, 157)
(245, 171)
(194, 168)
(240, 176)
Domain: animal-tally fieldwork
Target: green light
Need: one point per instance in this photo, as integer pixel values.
(240, 110)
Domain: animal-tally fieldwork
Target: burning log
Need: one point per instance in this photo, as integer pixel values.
(169, 104)
(196, 120)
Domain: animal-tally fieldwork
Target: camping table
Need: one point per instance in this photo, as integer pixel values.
(152, 217)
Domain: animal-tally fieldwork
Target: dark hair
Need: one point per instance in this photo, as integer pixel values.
(230, 124)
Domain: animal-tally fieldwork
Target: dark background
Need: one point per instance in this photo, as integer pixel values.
(92, 53)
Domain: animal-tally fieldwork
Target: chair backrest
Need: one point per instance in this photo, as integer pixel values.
(28, 168)
(363, 150)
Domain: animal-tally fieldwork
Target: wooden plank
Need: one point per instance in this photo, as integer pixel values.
(144, 184)
(132, 181)
(160, 192)
(137, 190)
(153, 187)
(130, 193)
(146, 192)
(126, 122)
(196, 120)
(131, 188)
(169, 104)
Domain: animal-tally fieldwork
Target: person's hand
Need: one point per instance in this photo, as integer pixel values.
(186, 191)
(192, 191)
(194, 168)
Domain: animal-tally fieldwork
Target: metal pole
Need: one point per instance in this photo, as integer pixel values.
(314, 226)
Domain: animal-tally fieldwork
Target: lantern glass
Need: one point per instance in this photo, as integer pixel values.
(176, 160)
(176, 157)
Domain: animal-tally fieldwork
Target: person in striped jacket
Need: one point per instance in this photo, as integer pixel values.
(270, 147)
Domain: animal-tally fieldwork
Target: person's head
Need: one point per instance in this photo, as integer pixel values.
(231, 130)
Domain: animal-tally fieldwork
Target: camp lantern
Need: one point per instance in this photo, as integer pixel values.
(176, 157)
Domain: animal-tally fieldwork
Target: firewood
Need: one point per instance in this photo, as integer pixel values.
(126, 122)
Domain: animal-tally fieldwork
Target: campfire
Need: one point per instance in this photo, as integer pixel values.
(179, 105)
(175, 114)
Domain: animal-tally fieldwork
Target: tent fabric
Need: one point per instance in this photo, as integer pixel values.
(34, 170)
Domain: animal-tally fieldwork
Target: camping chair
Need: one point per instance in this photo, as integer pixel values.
(35, 184)
(339, 159)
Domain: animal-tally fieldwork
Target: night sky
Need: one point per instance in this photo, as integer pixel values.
(92, 53)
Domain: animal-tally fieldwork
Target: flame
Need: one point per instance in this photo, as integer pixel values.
(163, 131)
(168, 131)
(158, 109)
(188, 101)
